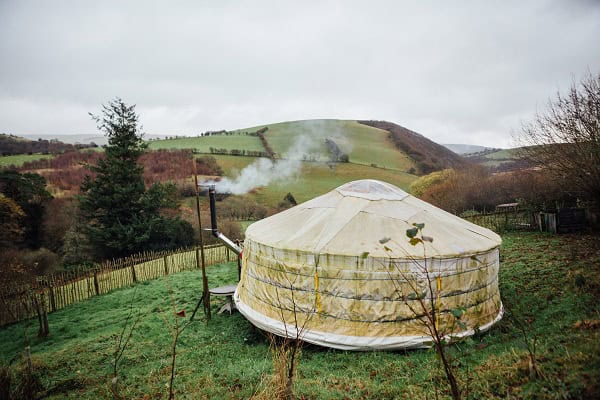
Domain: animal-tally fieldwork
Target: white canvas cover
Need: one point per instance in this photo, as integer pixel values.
(339, 270)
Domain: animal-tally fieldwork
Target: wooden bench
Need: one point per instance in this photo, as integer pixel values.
(228, 292)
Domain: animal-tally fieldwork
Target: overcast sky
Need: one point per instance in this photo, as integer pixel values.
(457, 72)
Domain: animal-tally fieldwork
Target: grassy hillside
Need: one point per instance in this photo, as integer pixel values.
(428, 156)
(372, 155)
(550, 283)
(204, 143)
(20, 159)
(365, 145)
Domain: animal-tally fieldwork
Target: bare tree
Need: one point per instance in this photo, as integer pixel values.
(286, 350)
(286, 353)
(122, 341)
(423, 287)
(176, 328)
(564, 139)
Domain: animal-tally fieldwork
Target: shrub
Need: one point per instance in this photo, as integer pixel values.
(58, 219)
(41, 261)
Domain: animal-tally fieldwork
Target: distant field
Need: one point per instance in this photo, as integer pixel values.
(500, 157)
(233, 164)
(20, 159)
(204, 143)
(503, 154)
(496, 158)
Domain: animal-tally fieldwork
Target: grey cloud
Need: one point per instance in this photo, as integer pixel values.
(461, 72)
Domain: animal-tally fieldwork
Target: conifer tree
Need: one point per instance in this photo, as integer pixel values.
(120, 216)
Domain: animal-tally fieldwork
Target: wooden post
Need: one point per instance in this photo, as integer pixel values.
(45, 328)
(205, 292)
(51, 295)
(96, 285)
(133, 276)
(166, 266)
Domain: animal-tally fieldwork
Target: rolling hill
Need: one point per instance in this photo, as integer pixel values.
(372, 149)
(426, 154)
(372, 143)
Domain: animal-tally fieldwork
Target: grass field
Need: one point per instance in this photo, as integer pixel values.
(203, 144)
(233, 164)
(365, 145)
(313, 180)
(499, 157)
(550, 283)
(20, 159)
(317, 179)
(505, 154)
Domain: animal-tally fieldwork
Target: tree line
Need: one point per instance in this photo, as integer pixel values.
(13, 145)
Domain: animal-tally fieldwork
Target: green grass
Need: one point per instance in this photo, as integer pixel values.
(372, 156)
(365, 145)
(233, 164)
(505, 154)
(549, 282)
(20, 159)
(203, 144)
(313, 180)
(317, 179)
(500, 157)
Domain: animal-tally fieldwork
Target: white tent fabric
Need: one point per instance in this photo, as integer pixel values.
(339, 271)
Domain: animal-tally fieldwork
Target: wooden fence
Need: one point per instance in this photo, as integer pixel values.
(503, 221)
(22, 301)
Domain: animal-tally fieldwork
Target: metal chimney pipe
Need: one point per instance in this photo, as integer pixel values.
(213, 211)
(213, 223)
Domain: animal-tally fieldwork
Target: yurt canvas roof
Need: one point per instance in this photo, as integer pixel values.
(354, 218)
(340, 269)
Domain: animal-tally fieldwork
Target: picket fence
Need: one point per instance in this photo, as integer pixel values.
(22, 301)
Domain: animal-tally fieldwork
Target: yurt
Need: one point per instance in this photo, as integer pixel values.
(340, 271)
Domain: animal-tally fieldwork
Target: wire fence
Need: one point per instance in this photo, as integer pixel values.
(504, 221)
(19, 301)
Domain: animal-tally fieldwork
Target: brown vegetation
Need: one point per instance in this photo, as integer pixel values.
(429, 156)
(475, 188)
(67, 171)
(263, 140)
(564, 139)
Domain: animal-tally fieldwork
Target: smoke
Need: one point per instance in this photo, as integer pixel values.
(260, 173)
(308, 145)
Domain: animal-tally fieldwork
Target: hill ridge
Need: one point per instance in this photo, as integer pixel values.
(429, 156)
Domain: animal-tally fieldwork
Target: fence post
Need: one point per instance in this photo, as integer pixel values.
(166, 265)
(96, 285)
(133, 276)
(51, 295)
